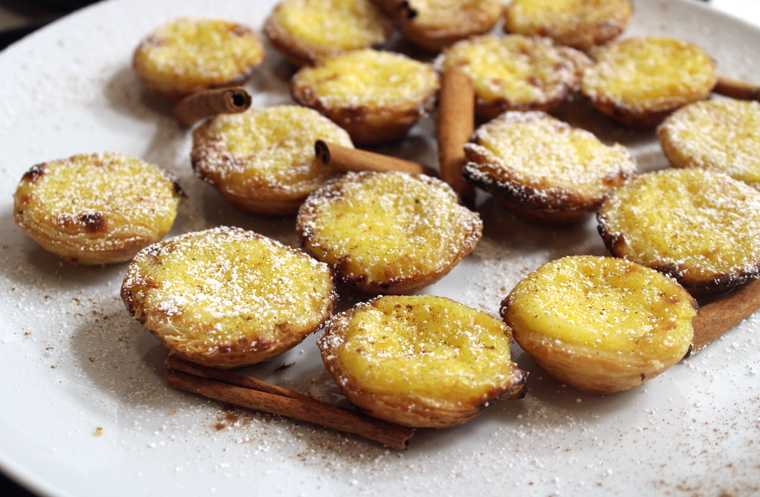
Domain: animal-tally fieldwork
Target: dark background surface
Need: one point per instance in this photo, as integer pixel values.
(9, 489)
(37, 13)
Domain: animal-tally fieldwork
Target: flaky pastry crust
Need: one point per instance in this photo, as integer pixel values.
(580, 24)
(388, 232)
(701, 228)
(193, 54)
(96, 208)
(376, 96)
(306, 31)
(420, 361)
(227, 297)
(544, 170)
(516, 72)
(600, 324)
(722, 136)
(262, 161)
(640, 81)
(433, 25)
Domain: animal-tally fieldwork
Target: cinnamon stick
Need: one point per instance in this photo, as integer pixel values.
(734, 88)
(207, 103)
(718, 317)
(406, 10)
(353, 159)
(397, 8)
(232, 378)
(456, 123)
(244, 391)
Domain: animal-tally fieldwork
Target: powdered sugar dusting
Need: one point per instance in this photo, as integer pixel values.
(520, 72)
(420, 360)
(702, 228)
(575, 23)
(719, 135)
(265, 154)
(96, 208)
(73, 359)
(329, 26)
(224, 289)
(195, 53)
(541, 161)
(128, 191)
(422, 233)
(368, 77)
(648, 74)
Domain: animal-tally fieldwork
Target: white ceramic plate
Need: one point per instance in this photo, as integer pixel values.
(84, 408)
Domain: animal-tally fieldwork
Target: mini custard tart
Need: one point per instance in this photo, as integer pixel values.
(580, 24)
(516, 72)
(376, 96)
(699, 227)
(718, 135)
(191, 54)
(388, 232)
(639, 81)
(543, 169)
(420, 361)
(263, 160)
(434, 24)
(97, 208)
(600, 324)
(226, 297)
(309, 30)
